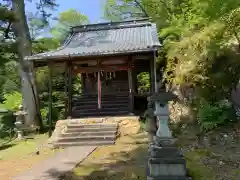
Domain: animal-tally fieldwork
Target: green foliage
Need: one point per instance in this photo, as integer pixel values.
(45, 44)
(201, 49)
(12, 101)
(56, 114)
(143, 82)
(66, 20)
(118, 10)
(211, 116)
(7, 124)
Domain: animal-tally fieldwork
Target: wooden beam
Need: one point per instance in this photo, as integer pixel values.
(101, 67)
(50, 99)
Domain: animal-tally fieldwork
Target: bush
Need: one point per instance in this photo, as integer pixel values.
(7, 125)
(56, 115)
(212, 115)
(7, 119)
(12, 101)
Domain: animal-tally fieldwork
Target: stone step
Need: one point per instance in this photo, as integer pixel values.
(172, 160)
(104, 106)
(96, 110)
(75, 134)
(82, 130)
(77, 114)
(103, 96)
(103, 101)
(97, 125)
(90, 143)
(169, 178)
(87, 138)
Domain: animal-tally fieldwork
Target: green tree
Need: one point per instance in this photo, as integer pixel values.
(118, 10)
(65, 20)
(201, 45)
(15, 32)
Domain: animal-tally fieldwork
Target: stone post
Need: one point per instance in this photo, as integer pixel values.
(165, 160)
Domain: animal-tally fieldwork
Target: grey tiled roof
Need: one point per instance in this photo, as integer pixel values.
(106, 40)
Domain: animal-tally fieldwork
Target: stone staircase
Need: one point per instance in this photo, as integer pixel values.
(111, 105)
(97, 134)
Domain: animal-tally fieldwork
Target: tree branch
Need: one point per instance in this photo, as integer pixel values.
(142, 8)
(6, 32)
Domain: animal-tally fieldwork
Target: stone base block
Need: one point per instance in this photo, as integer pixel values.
(167, 167)
(161, 152)
(164, 141)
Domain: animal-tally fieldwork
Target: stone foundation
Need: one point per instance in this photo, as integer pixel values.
(166, 161)
(126, 124)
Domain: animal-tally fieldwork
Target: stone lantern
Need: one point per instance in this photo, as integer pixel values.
(20, 122)
(165, 160)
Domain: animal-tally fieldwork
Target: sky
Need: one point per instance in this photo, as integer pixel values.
(93, 9)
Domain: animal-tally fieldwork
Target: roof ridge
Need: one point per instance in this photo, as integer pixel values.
(107, 26)
(114, 22)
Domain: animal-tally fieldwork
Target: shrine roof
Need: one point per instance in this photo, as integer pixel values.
(106, 39)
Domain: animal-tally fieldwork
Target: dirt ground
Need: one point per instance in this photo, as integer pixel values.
(17, 157)
(218, 151)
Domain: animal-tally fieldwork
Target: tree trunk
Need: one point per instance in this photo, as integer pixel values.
(26, 69)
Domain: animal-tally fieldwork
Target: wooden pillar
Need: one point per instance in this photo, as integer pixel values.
(152, 74)
(155, 72)
(130, 84)
(69, 89)
(99, 87)
(66, 90)
(134, 79)
(50, 99)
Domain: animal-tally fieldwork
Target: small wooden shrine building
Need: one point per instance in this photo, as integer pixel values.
(107, 57)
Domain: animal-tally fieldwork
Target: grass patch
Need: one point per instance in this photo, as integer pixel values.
(127, 160)
(123, 161)
(15, 149)
(196, 169)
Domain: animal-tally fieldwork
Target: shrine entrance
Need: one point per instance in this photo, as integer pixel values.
(111, 82)
(105, 89)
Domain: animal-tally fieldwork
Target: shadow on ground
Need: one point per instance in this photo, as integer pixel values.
(123, 161)
(6, 146)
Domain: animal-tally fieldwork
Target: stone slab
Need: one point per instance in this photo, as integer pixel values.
(167, 170)
(169, 178)
(54, 167)
(167, 160)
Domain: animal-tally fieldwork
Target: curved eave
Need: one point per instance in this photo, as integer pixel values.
(75, 55)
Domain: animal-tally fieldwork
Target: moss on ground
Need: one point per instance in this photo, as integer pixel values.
(196, 169)
(127, 160)
(123, 161)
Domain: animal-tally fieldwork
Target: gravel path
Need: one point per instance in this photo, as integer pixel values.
(54, 167)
